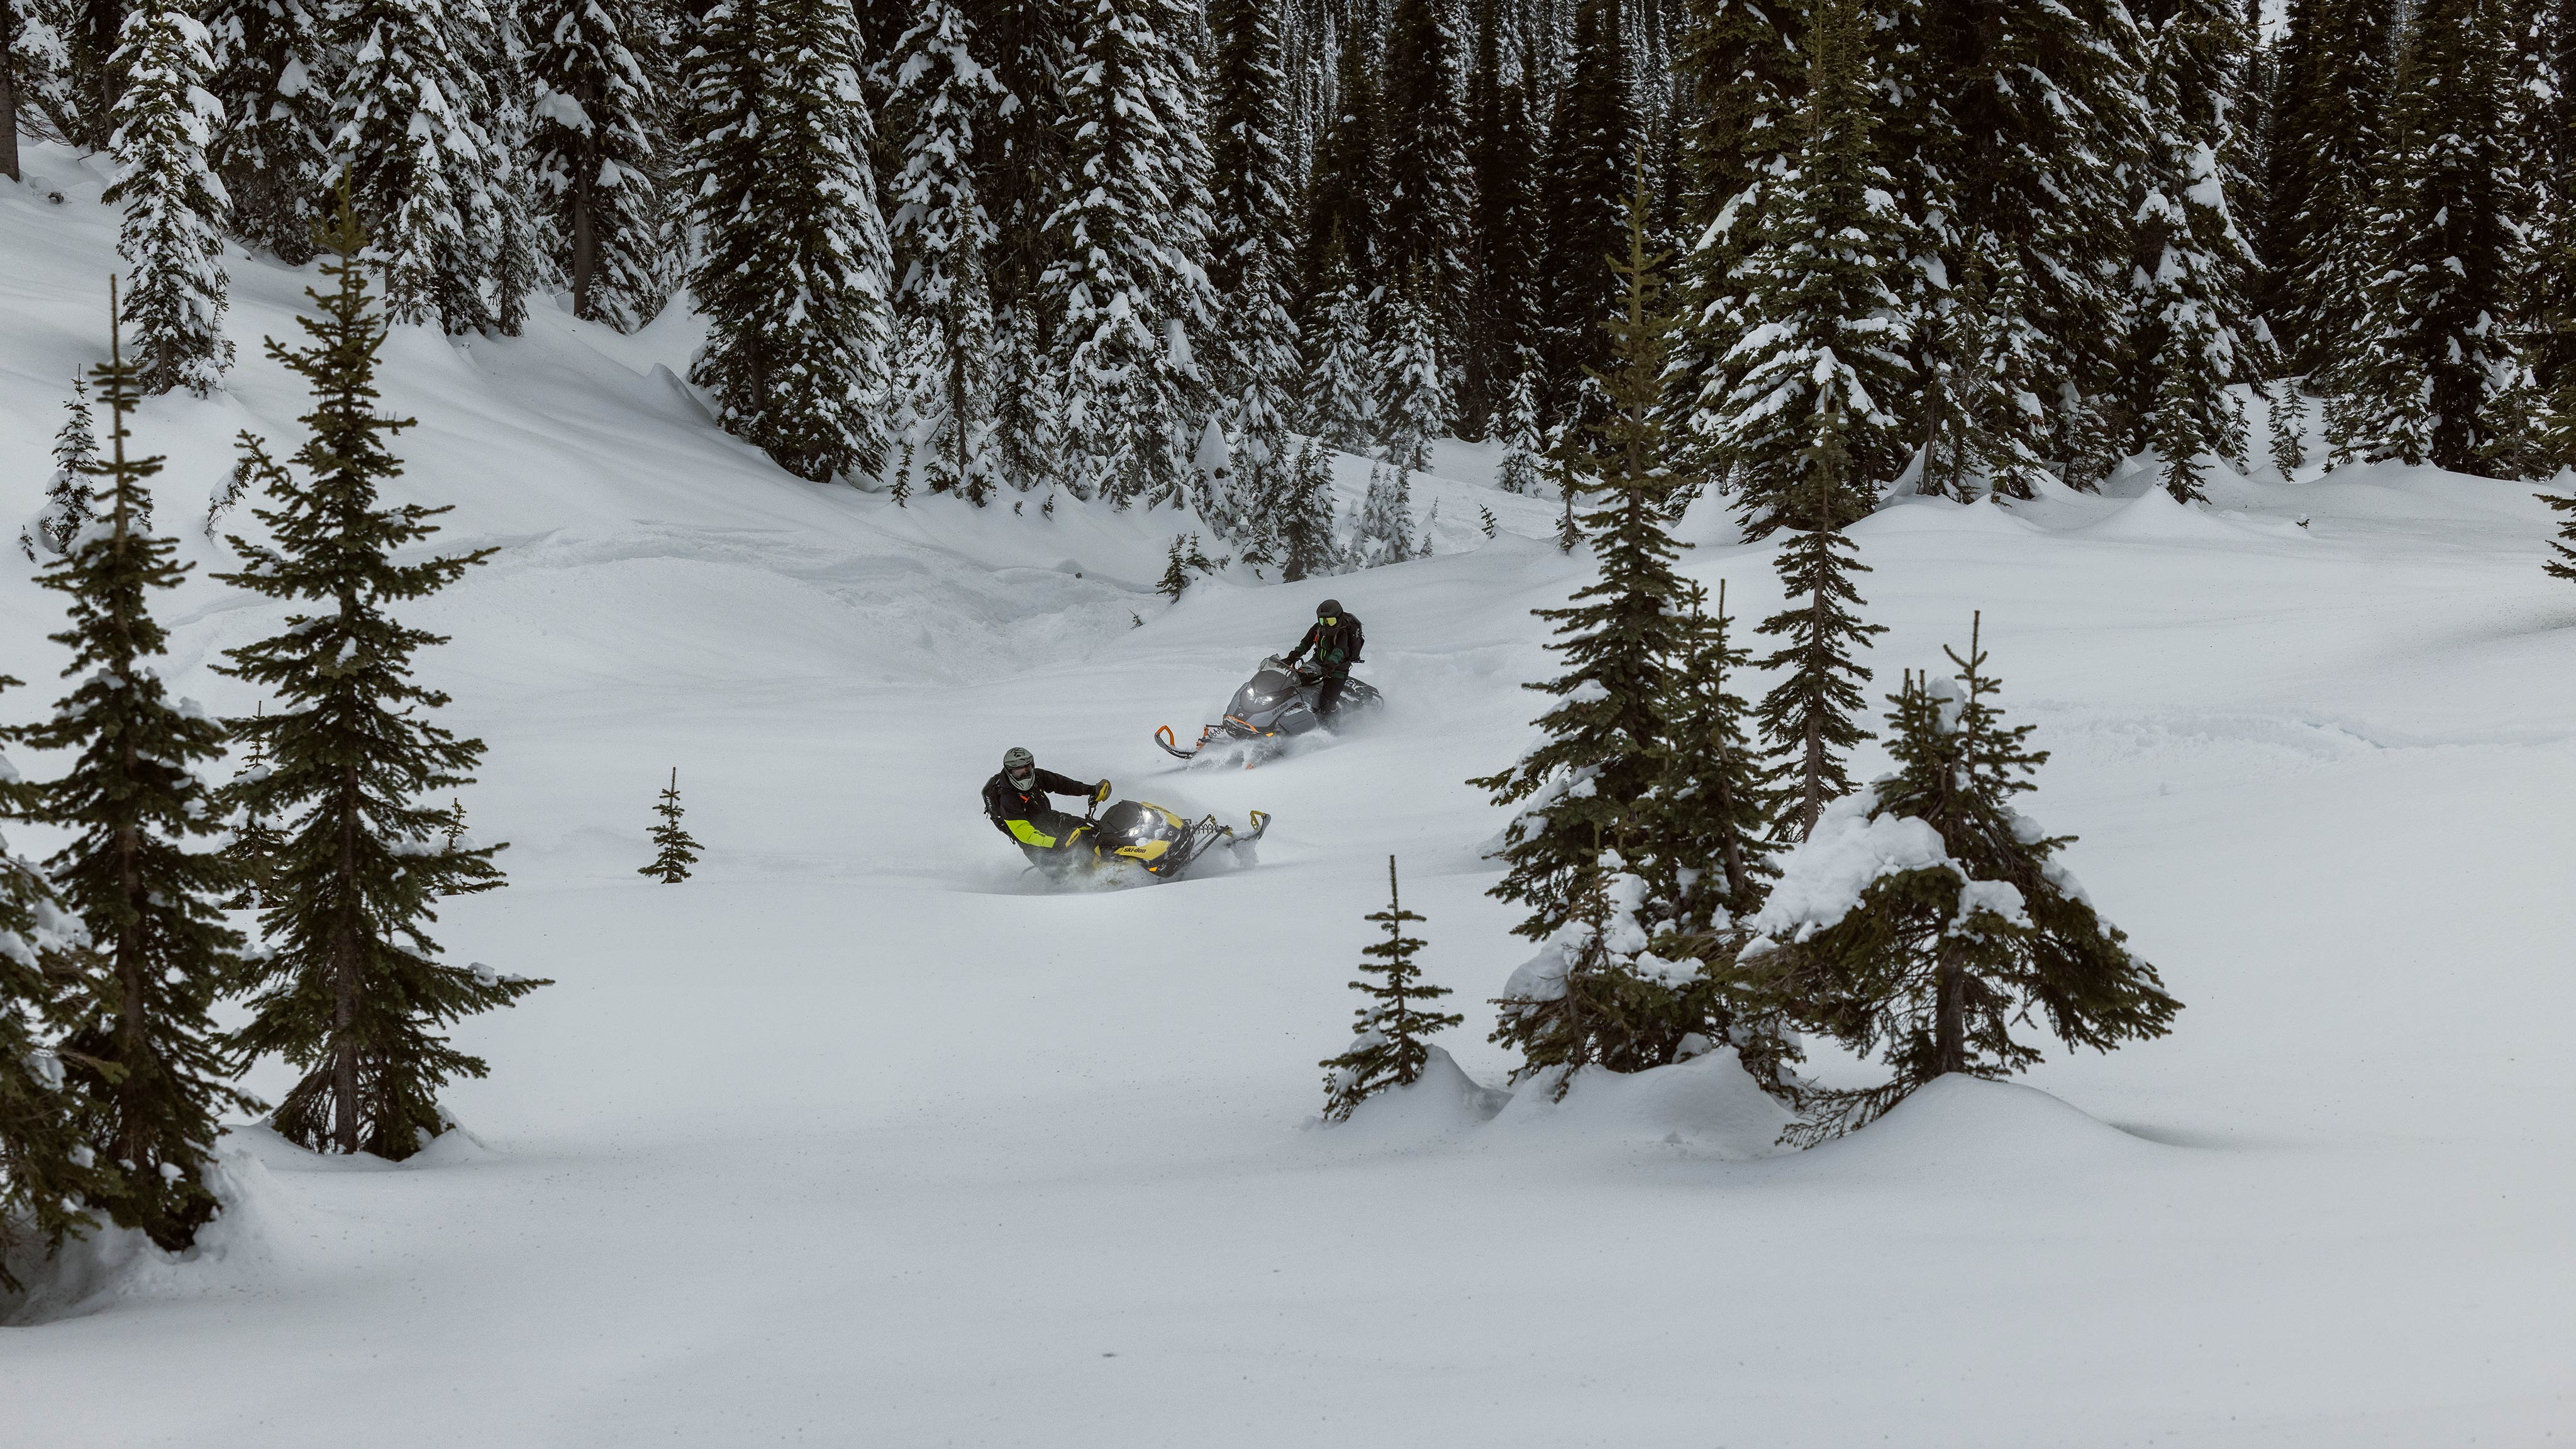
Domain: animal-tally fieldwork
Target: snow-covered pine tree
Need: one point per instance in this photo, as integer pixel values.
(1983, 426)
(417, 164)
(255, 844)
(1965, 923)
(1720, 791)
(172, 238)
(1019, 166)
(1809, 717)
(1413, 394)
(1308, 547)
(69, 502)
(352, 990)
(272, 76)
(1341, 396)
(1252, 257)
(1524, 440)
(46, 1170)
(1593, 144)
(2332, 81)
(1587, 790)
(1387, 1047)
(1385, 534)
(141, 1048)
(1423, 241)
(1132, 234)
(2287, 421)
(674, 849)
(795, 270)
(2422, 377)
(601, 78)
(505, 217)
(942, 94)
(1822, 325)
(2189, 331)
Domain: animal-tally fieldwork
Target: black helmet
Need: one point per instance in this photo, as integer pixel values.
(1328, 608)
(1019, 767)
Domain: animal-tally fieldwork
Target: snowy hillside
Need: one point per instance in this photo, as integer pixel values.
(859, 1138)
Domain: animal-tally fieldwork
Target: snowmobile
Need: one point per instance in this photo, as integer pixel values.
(1138, 835)
(1276, 704)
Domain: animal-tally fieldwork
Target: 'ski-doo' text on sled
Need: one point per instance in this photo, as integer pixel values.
(1275, 705)
(1138, 835)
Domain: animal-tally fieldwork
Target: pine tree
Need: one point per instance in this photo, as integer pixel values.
(1346, 195)
(1252, 259)
(1821, 330)
(2333, 79)
(1523, 438)
(175, 209)
(2190, 331)
(419, 163)
(1968, 924)
(1341, 399)
(1593, 146)
(69, 504)
(352, 990)
(941, 230)
(141, 1048)
(2562, 563)
(2287, 420)
(1808, 717)
(1722, 794)
(256, 844)
(674, 849)
(1423, 240)
(1413, 394)
(1020, 163)
(2424, 376)
(271, 76)
(1983, 424)
(794, 275)
(1587, 790)
(1503, 320)
(1307, 546)
(46, 1170)
(1385, 534)
(1387, 1047)
(601, 82)
(1131, 234)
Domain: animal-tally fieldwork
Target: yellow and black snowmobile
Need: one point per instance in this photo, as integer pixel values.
(1139, 836)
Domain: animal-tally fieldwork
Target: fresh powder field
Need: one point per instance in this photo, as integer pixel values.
(862, 1136)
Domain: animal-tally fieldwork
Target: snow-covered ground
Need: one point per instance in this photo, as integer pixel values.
(857, 1139)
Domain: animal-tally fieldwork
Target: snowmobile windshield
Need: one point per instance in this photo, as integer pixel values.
(1262, 691)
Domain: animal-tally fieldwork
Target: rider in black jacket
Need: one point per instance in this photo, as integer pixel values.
(1016, 801)
(1336, 640)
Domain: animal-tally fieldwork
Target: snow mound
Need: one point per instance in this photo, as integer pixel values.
(1967, 1129)
(1444, 1103)
(2155, 517)
(1919, 514)
(260, 1237)
(1709, 1103)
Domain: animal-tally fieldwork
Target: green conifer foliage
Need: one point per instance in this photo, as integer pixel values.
(1423, 234)
(1503, 321)
(675, 850)
(1347, 193)
(1966, 924)
(68, 502)
(795, 272)
(1983, 424)
(353, 990)
(2333, 76)
(1822, 325)
(1587, 789)
(1413, 384)
(1721, 794)
(1341, 399)
(1308, 546)
(141, 1049)
(1252, 261)
(1593, 145)
(273, 150)
(1387, 1047)
(1809, 717)
(2562, 562)
(601, 78)
(172, 238)
(46, 1170)
(256, 843)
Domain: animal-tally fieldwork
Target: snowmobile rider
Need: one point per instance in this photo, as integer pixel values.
(1336, 640)
(1016, 799)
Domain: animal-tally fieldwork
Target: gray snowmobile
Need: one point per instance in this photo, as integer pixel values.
(1274, 706)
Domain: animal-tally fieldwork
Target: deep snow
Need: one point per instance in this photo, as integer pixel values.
(856, 1139)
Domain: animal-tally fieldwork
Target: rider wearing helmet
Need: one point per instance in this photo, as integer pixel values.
(1336, 640)
(1016, 800)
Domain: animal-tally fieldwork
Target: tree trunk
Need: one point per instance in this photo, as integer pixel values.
(344, 972)
(9, 90)
(957, 399)
(585, 244)
(1950, 1031)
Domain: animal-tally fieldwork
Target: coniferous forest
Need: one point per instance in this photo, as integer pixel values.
(1007, 247)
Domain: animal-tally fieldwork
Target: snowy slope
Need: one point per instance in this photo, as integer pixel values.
(856, 1139)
